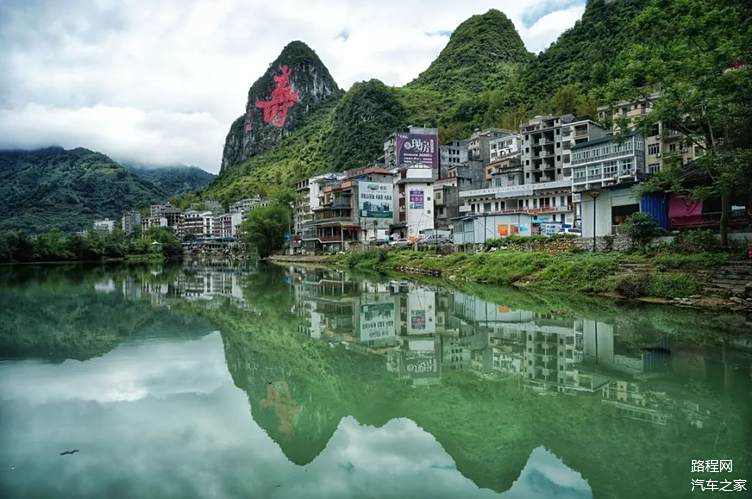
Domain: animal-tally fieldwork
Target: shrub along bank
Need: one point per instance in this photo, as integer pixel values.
(668, 275)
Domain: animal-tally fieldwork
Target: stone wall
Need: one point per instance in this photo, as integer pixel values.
(619, 242)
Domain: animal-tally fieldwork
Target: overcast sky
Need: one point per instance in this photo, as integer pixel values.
(160, 81)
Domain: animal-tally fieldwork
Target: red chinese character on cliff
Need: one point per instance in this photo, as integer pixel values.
(283, 98)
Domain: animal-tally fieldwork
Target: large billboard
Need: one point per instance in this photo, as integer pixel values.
(375, 200)
(417, 148)
(377, 321)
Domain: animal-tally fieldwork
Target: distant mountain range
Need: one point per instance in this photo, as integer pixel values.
(69, 189)
(173, 180)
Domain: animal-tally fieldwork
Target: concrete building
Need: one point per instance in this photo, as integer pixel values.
(476, 229)
(413, 190)
(606, 162)
(507, 170)
(503, 146)
(549, 204)
(604, 172)
(130, 221)
(105, 226)
(663, 145)
(546, 144)
(170, 213)
(391, 154)
(226, 225)
(246, 205)
(307, 201)
(450, 154)
(478, 145)
(149, 222)
(197, 224)
(343, 217)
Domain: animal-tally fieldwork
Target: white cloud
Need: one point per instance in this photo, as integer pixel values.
(162, 81)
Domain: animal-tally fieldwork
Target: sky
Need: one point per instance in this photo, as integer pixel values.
(160, 81)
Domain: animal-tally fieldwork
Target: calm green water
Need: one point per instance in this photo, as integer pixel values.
(283, 382)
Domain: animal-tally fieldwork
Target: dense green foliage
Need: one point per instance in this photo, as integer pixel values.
(265, 228)
(698, 53)
(582, 272)
(17, 246)
(480, 54)
(66, 189)
(485, 77)
(173, 180)
(364, 117)
(641, 228)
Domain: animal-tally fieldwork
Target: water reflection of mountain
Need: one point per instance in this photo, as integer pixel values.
(491, 374)
(59, 312)
(502, 380)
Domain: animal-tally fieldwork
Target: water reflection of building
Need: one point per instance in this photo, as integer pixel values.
(207, 286)
(427, 332)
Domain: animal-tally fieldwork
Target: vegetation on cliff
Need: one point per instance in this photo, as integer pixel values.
(66, 189)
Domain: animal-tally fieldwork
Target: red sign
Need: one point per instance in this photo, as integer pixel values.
(282, 99)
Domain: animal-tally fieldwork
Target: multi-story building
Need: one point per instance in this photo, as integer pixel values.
(503, 146)
(149, 222)
(246, 205)
(410, 146)
(546, 143)
(506, 170)
(197, 224)
(105, 226)
(478, 145)
(171, 213)
(354, 209)
(413, 190)
(604, 174)
(226, 225)
(307, 201)
(663, 145)
(130, 221)
(452, 153)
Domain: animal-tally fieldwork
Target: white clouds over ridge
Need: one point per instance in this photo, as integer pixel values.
(160, 82)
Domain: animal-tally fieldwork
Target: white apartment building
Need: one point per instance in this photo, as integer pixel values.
(478, 143)
(197, 224)
(130, 220)
(500, 147)
(413, 190)
(105, 226)
(604, 172)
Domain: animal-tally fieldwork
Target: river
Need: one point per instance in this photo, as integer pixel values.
(295, 382)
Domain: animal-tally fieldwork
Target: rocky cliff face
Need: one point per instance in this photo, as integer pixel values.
(296, 83)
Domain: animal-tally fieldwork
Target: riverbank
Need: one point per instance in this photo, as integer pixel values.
(702, 280)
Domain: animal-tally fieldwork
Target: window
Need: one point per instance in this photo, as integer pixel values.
(672, 148)
(654, 148)
(654, 168)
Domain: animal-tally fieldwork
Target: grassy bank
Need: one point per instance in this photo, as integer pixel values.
(669, 275)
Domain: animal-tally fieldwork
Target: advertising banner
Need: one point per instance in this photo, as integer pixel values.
(415, 148)
(375, 199)
(377, 321)
(416, 200)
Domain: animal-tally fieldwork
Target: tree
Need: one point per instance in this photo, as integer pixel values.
(169, 243)
(697, 54)
(641, 228)
(265, 228)
(565, 100)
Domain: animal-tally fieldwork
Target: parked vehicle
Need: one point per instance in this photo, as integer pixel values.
(572, 230)
(399, 243)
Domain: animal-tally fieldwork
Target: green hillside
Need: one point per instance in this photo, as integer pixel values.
(67, 189)
(485, 77)
(173, 180)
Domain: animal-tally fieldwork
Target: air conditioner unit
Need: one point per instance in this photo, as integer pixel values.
(658, 155)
